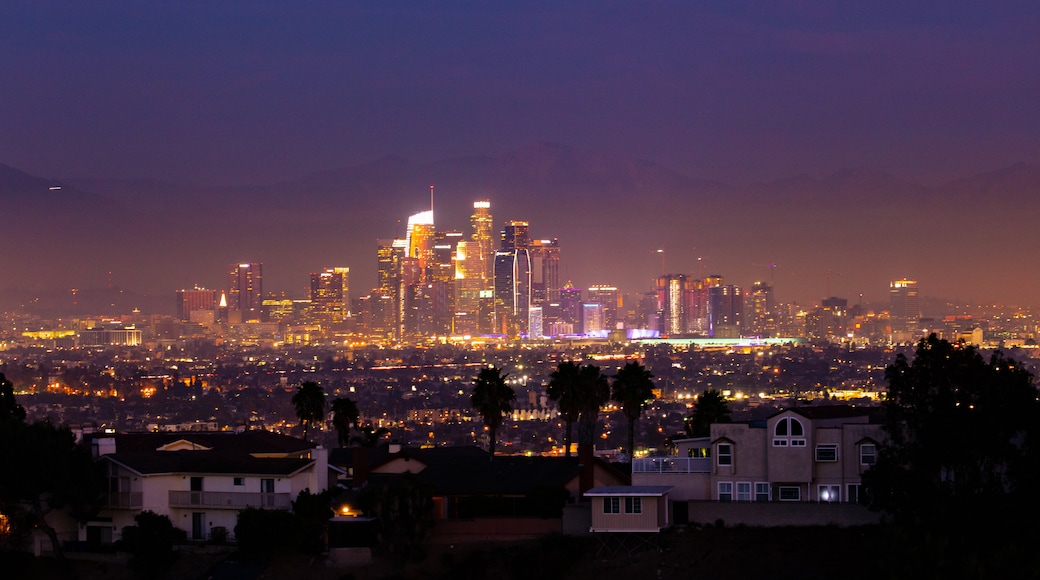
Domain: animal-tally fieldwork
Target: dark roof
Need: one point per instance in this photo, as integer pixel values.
(344, 456)
(152, 462)
(506, 475)
(254, 441)
(833, 412)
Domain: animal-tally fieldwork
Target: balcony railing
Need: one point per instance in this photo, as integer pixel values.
(231, 500)
(672, 465)
(123, 499)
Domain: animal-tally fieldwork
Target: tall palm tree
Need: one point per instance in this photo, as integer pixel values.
(564, 389)
(345, 417)
(309, 401)
(594, 393)
(492, 398)
(633, 387)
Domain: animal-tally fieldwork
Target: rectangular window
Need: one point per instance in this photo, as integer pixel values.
(725, 491)
(698, 452)
(725, 455)
(743, 491)
(867, 454)
(240, 481)
(797, 442)
(790, 493)
(779, 442)
(633, 505)
(762, 491)
(829, 493)
(611, 505)
(852, 493)
(827, 453)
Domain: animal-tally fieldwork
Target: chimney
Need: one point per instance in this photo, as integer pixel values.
(359, 467)
(586, 481)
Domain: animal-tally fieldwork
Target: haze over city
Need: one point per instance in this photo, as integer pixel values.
(825, 149)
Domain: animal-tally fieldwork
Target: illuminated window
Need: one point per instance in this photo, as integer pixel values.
(790, 493)
(827, 453)
(829, 493)
(611, 505)
(725, 454)
(762, 492)
(633, 505)
(743, 491)
(725, 491)
(867, 454)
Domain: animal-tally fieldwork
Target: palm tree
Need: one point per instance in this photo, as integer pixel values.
(711, 407)
(594, 393)
(309, 400)
(345, 417)
(492, 399)
(564, 389)
(633, 387)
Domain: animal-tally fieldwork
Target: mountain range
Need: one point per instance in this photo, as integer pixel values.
(131, 243)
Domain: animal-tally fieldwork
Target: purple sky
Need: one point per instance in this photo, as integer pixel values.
(256, 91)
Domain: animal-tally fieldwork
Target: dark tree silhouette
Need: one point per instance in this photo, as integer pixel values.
(345, 417)
(564, 388)
(150, 541)
(711, 407)
(492, 398)
(595, 392)
(369, 436)
(10, 410)
(958, 467)
(632, 388)
(309, 401)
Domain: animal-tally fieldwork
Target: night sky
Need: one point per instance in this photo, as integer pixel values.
(254, 92)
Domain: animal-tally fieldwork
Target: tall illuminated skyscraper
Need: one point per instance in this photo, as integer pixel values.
(513, 280)
(545, 260)
(327, 295)
(245, 291)
(484, 248)
(672, 303)
(904, 305)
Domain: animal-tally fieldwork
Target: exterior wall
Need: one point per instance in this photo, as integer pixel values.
(790, 464)
(652, 516)
(781, 514)
(494, 529)
(685, 486)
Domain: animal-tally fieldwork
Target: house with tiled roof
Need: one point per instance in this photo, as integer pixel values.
(201, 480)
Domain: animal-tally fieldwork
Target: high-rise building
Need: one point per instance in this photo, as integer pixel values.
(420, 236)
(725, 311)
(545, 261)
(513, 280)
(904, 305)
(762, 316)
(672, 303)
(327, 295)
(481, 237)
(245, 293)
(606, 296)
(196, 300)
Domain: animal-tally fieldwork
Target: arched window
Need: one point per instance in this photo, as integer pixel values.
(788, 432)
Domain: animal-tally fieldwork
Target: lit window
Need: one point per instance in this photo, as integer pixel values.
(725, 491)
(611, 505)
(762, 491)
(867, 454)
(829, 493)
(790, 493)
(827, 453)
(743, 491)
(633, 505)
(725, 454)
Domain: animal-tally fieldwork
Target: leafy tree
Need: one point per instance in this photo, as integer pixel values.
(262, 534)
(369, 436)
(492, 398)
(404, 509)
(594, 393)
(632, 388)
(150, 542)
(958, 465)
(345, 417)
(312, 511)
(564, 388)
(45, 470)
(10, 410)
(309, 401)
(711, 407)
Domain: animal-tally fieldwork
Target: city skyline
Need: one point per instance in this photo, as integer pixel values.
(825, 150)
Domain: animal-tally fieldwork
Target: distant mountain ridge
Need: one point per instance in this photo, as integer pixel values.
(847, 232)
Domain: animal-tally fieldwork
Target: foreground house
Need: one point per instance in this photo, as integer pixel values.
(201, 480)
(800, 466)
